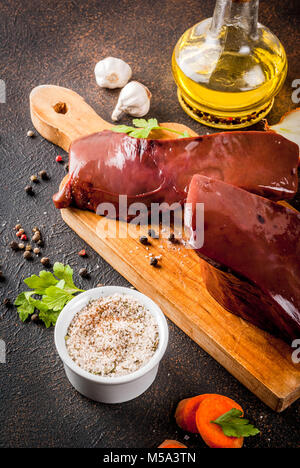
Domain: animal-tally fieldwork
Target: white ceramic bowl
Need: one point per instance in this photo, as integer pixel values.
(109, 389)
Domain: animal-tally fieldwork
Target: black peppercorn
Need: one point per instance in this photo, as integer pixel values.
(27, 255)
(29, 190)
(43, 175)
(144, 240)
(14, 245)
(7, 302)
(34, 179)
(45, 261)
(153, 261)
(152, 233)
(36, 237)
(172, 238)
(83, 272)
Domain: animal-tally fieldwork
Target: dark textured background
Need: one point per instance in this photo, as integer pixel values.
(59, 42)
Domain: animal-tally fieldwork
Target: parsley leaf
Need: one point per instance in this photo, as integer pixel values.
(234, 425)
(144, 128)
(54, 293)
(65, 272)
(123, 129)
(49, 318)
(145, 123)
(42, 282)
(41, 306)
(25, 307)
(56, 298)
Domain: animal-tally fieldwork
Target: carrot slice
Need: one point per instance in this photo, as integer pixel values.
(185, 413)
(209, 410)
(171, 444)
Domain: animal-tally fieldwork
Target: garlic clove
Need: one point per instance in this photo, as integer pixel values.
(134, 99)
(112, 73)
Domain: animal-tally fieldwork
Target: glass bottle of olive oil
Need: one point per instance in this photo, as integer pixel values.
(228, 68)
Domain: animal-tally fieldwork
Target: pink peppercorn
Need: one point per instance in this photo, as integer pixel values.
(58, 158)
(24, 237)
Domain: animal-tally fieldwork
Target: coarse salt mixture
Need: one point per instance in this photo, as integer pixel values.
(112, 336)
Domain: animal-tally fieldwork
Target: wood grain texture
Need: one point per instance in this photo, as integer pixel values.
(258, 360)
(60, 115)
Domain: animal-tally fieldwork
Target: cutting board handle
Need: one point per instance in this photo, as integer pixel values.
(61, 116)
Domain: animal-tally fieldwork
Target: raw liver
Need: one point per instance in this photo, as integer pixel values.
(259, 242)
(104, 165)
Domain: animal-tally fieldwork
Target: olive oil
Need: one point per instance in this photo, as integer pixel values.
(229, 68)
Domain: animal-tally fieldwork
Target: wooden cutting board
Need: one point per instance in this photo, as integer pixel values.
(258, 360)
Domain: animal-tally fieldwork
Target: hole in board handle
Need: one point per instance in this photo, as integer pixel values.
(61, 108)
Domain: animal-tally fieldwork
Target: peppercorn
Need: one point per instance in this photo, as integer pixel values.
(20, 232)
(36, 237)
(83, 272)
(43, 175)
(34, 318)
(30, 133)
(29, 190)
(45, 261)
(18, 227)
(21, 246)
(14, 245)
(144, 240)
(23, 237)
(34, 179)
(152, 233)
(7, 302)
(40, 243)
(82, 253)
(28, 248)
(27, 255)
(59, 159)
(153, 261)
(36, 250)
(171, 238)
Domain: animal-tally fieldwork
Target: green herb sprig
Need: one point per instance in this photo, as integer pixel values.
(54, 293)
(234, 425)
(144, 127)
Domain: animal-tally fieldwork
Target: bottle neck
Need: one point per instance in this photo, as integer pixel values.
(237, 13)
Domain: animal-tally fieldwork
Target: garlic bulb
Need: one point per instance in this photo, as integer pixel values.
(134, 99)
(112, 73)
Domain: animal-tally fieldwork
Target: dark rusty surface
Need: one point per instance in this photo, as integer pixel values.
(59, 42)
